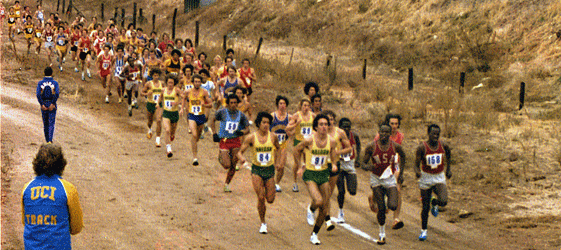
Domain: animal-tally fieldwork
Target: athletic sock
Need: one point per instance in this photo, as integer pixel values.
(383, 229)
(316, 229)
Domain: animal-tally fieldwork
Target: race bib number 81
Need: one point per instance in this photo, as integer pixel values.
(168, 104)
(434, 160)
(318, 161)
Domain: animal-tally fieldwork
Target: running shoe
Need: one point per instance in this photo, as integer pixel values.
(120, 100)
(106, 99)
(381, 240)
(310, 216)
(158, 144)
(278, 188)
(149, 134)
(169, 152)
(195, 162)
(75, 69)
(423, 235)
(237, 167)
(227, 189)
(263, 228)
(172, 137)
(63, 60)
(433, 208)
(130, 110)
(341, 216)
(83, 77)
(60, 67)
(330, 225)
(89, 74)
(314, 239)
(397, 224)
(125, 95)
(295, 188)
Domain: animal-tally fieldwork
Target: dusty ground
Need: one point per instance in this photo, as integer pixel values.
(125, 194)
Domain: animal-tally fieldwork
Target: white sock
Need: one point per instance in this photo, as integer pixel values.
(158, 139)
(149, 130)
(383, 230)
(168, 147)
(423, 231)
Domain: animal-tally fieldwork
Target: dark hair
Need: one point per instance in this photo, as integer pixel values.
(188, 41)
(49, 160)
(303, 101)
(226, 58)
(244, 90)
(260, 117)
(280, 97)
(310, 85)
(330, 113)
(232, 96)
(129, 26)
(175, 51)
(230, 50)
(317, 95)
(154, 32)
(200, 77)
(316, 121)
(232, 67)
(343, 120)
(107, 46)
(189, 54)
(395, 116)
(204, 72)
(170, 76)
(178, 39)
(432, 126)
(155, 71)
(245, 59)
(48, 71)
(139, 29)
(190, 67)
(200, 54)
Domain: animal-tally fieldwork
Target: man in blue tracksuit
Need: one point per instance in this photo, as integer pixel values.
(47, 95)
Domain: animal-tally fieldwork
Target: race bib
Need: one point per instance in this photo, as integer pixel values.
(12, 19)
(155, 97)
(306, 131)
(105, 65)
(38, 34)
(196, 110)
(264, 158)
(85, 50)
(346, 157)
(119, 69)
(30, 30)
(434, 160)
(318, 161)
(40, 15)
(49, 38)
(17, 12)
(174, 73)
(76, 43)
(387, 173)
(188, 87)
(281, 137)
(231, 127)
(168, 104)
(61, 42)
(134, 75)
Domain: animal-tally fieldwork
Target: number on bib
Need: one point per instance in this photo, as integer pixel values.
(264, 158)
(12, 20)
(30, 30)
(318, 161)
(105, 65)
(281, 137)
(434, 160)
(76, 43)
(346, 157)
(17, 12)
(155, 97)
(61, 42)
(231, 127)
(49, 38)
(188, 87)
(196, 110)
(119, 69)
(168, 104)
(38, 34)
(85, 50)
(306, 131)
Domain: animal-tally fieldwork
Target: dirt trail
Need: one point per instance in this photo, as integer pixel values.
(134, 197)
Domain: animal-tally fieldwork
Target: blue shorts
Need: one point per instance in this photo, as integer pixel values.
(199, 119)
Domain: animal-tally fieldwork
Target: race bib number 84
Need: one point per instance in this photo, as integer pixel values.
(264, 158)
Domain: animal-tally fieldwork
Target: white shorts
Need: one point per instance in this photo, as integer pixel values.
(429, 180)
(50, 45)
(376, 181)
(348, 166)
(129, 85)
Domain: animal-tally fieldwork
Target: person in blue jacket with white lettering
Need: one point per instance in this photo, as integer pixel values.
(47, 95)
(51, 209)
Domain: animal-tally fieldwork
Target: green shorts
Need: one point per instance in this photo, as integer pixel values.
(151, 107)
(173, 116)
(296, 142)
(265, 173)
(318, 177)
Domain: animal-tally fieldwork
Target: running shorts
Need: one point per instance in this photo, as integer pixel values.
(296, 142)
(62, 49)
(319, 177)
(199, 119)
(347, 166)
(173, 116)
(376, 181)
(83, 55)
(265, 173)
(38, 40)
(130, 84)
(228, 144)
(49, 45)
(74, 48)
(429, 180)
(151, 107)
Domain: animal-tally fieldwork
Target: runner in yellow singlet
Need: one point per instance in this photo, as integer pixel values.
(300, 126)
(265, 145)
(319, 147)
(199, 100)
(153, 92)
(171, 98)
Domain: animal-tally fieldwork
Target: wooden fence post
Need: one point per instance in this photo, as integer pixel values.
(258, 46)
(123, 18)
(134, 16)
(291, 54)
(102, 10)
(140, 17)
(173, 24)
(462, 81)
(196, 34)
(57, 4)
(116, 14)
(63, 6)
(69, 7)
(364, 69)
(522, 93)
(153, 22)
(224, 42)
(410, 79)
